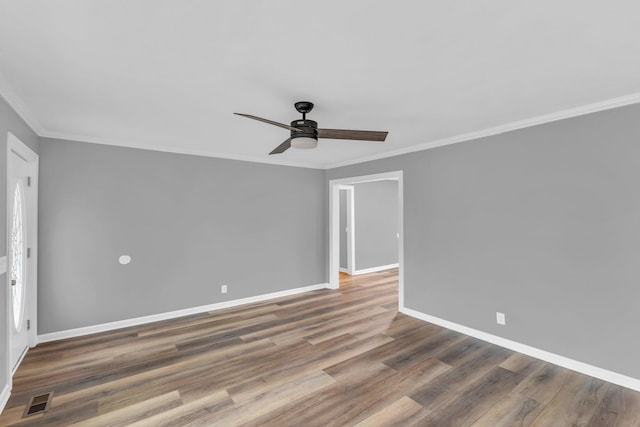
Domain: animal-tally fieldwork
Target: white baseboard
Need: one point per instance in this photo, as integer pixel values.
(375, 269)
(343, 270)
(4, 396)
(77, 332)
(565, 362)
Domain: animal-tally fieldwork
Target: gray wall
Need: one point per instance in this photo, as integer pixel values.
(189, 223)
(541, 223)
(376, 224)
(9, 122)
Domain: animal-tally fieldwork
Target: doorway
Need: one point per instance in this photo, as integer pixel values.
(335, 187)
(347, 229)
(22, 239)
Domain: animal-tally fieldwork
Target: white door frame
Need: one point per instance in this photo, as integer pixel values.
(334, 226)
(351, 228)
(14, 145)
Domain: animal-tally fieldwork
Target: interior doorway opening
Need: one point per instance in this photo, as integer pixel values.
(343, 225)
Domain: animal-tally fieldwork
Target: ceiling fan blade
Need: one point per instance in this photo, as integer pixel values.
(271, 122)
(361, 135)
(282, 147)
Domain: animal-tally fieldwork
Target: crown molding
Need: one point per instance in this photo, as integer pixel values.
(202, 153)
(21, 109)
(14, 101)
(520, 124)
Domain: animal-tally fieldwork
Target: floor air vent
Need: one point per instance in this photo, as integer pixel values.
(38, 404)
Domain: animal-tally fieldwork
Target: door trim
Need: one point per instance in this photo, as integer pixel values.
(334, 226)
(14, 145)
(351, 228)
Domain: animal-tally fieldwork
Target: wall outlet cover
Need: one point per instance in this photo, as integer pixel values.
(501, 318)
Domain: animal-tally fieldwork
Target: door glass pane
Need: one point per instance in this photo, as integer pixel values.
(17, 267)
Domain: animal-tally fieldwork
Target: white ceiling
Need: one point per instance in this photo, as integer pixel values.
(168, 75)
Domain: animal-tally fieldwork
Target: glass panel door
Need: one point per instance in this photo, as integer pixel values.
(17, 256)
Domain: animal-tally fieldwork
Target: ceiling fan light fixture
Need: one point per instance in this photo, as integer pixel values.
(305, 132)
(304, 142)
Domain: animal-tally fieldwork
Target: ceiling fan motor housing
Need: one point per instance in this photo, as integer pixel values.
(307, 136)
(308, 128)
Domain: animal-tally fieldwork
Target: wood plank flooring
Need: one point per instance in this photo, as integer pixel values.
(325, 358)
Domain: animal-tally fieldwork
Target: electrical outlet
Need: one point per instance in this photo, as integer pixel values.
(223, 289)
(501, 318)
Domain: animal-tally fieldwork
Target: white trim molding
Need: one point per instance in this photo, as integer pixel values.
(556, 359)
(87, 330)
(568, 113)
(280, 161)
(21, 109)
(16, 103)
(375, 269)
(583, 110)
(4, 396)
(351, 227)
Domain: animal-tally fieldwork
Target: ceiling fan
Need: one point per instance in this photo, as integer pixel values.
(305, 133)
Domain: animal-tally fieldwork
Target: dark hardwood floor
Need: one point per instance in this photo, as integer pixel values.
(324, 358)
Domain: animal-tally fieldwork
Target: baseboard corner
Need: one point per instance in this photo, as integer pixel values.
(374, 269)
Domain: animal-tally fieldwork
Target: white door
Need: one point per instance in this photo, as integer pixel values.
(21, 233)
